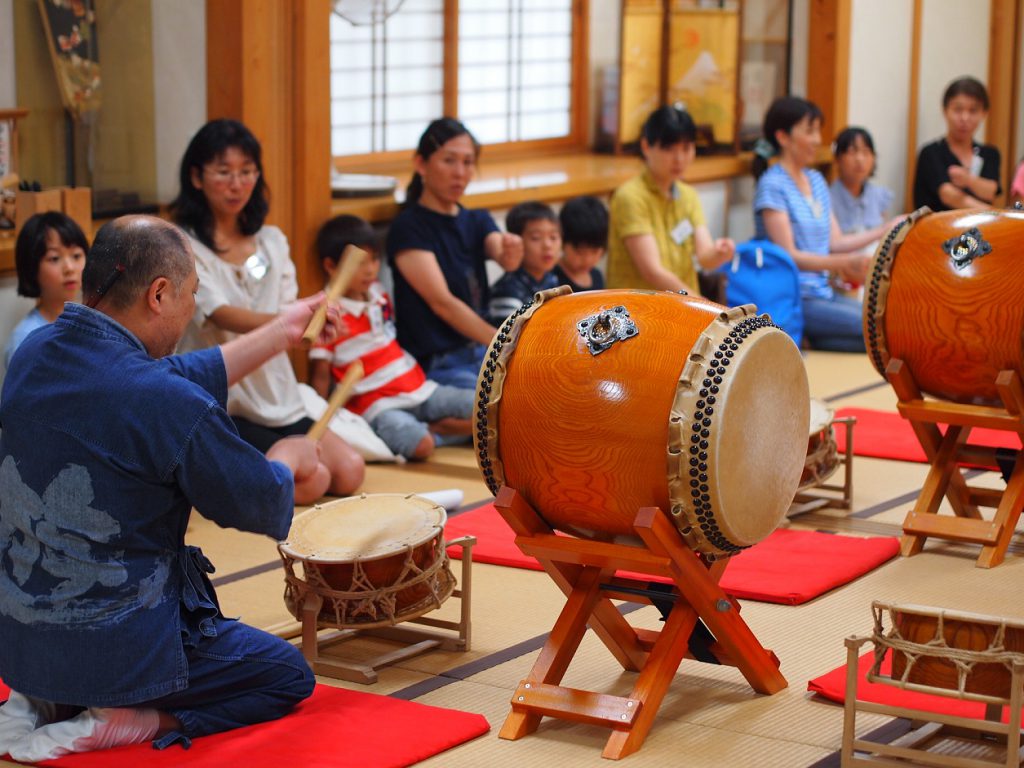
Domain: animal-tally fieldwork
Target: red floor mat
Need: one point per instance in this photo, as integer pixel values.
(832, 686)
(334, 727)
(789, 567)
(887, 435)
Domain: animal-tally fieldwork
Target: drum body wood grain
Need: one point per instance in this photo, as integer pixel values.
(698, 411)
(946, 296)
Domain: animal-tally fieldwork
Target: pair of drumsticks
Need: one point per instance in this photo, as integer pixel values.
(351, 260)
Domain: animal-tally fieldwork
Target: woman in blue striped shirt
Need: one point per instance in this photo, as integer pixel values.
(792, 208)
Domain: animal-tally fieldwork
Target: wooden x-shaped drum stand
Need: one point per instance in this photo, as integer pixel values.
(585, 571)
(947, 452)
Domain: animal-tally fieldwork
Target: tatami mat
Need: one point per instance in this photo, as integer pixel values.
(710, 717)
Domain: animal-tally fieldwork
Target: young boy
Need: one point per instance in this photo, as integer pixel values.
(410, 413)
(584, 238)
(537, 224)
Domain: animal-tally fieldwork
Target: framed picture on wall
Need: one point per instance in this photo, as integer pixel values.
(9, 141)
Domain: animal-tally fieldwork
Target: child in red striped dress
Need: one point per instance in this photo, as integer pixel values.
(409, 412)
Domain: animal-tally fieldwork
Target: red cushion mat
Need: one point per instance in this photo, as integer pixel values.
(334, 727)
(789, 567)
(832, 686)
(887, 435)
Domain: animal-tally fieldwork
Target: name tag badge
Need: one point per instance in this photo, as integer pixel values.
(682, 231)
(976, 163)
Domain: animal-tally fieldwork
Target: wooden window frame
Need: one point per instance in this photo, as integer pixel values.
(579, 108)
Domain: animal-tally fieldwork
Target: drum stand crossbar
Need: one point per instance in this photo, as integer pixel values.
(317, 634)
(947, 452)
(585, 572)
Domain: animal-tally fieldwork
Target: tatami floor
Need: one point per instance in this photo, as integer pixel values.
(710, 716)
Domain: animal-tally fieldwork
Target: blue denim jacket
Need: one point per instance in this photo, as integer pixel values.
(103, 453)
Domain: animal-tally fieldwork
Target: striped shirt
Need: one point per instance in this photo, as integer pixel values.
(392, 377)
(809, 218)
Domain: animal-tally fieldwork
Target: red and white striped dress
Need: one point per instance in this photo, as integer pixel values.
(392, 377)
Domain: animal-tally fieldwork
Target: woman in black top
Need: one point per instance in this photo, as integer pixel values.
(955, 171)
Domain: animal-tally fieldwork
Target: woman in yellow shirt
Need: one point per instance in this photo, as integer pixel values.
(657, 232)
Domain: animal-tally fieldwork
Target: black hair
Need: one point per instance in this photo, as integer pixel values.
(190, 208)
(128, 254)
(584, 222)
(438, 133)
(667, 126)
(965, 86)
(524, 213)
(342, 231)
(848, 137)
(31, 247)
(782, 115)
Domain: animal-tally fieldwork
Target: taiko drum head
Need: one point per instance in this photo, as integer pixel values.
(363, 528)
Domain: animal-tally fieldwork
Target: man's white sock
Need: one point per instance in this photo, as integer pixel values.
(95, 728)
(21, 715)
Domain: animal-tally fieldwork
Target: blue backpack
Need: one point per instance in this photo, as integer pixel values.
(762, 273)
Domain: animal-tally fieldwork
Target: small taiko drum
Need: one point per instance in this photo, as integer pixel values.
(946, 296)
(594, 405)
(822, 453)
(372, 560)
(952, 650)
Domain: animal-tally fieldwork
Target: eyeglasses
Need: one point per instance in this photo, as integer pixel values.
(222, 176)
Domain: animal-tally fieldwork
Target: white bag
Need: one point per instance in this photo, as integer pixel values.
(349, 426)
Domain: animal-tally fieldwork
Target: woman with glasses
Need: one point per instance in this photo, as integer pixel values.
(245, 276)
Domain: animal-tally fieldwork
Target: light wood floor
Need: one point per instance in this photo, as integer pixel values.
(710, 716)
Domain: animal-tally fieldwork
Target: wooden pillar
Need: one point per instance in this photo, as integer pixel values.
(1003, 84)
(914, 99)
(268, 65)
(828, 51)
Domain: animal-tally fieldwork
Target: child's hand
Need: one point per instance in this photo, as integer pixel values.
(511, 252)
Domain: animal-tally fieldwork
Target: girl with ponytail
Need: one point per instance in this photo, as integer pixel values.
(437, 250)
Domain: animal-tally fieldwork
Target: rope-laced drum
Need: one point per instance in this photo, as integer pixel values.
(946, 651)
(822, 453)
(594, 405)
(372, 560)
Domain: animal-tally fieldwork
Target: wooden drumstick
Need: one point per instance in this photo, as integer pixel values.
(339, 397)
(351, 259)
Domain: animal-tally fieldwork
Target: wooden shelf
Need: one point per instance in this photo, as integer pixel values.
(553, 178)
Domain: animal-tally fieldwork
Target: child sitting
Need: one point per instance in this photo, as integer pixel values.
(49, 256)
(537, 224)
(410, 413)
(584, 239)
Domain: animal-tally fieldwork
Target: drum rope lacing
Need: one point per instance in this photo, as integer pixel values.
(366, 598)
(964, 659)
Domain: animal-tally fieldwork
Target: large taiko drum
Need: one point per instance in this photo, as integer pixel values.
(594, 405)
(946, 297)
(372, 560)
